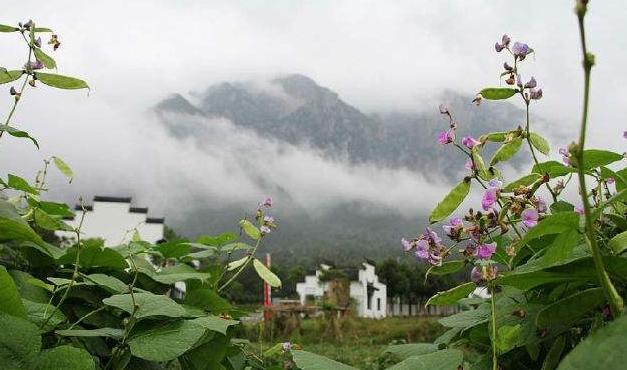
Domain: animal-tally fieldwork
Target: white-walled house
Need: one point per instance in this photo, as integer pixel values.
(368, 293)
(114, 219)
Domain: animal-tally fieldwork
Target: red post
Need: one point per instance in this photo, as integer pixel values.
(267, 294)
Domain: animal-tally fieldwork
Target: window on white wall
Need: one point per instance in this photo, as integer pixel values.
(378, 304)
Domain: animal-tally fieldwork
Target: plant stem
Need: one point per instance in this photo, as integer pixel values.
(615, 300)
(250, 257)
(533, 152)
(19, 97)
(495, 363)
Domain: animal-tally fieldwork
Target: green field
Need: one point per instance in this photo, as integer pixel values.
(362, 343)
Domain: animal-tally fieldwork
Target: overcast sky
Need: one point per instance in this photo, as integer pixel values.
(378, 55)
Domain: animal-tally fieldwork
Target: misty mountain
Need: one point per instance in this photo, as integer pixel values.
(295, 112)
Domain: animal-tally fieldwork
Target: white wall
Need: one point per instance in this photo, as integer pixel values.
(113, 222)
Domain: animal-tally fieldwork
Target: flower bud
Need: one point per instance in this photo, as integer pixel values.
(505, 40)
(510, 80)
(535, 94)
(12, 91)
(498, 47)
(531, 84)
(476, 275)
(507, 67)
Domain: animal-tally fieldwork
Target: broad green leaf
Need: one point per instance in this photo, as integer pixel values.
(18, 183)
(554, 224)
(552, 168)
(207, 299)
(506, 151)
(447, 359)
(5, 28)
(524, 181)
(453, 295)
(47, 61)
(219, 240)
(251, 230)
(52, 208)
(561, 206)
(18, 350)
(447, 337)
(497, 93)
(529, 280)
(17, 133)
(42, 29)
(100, 332)
(482, 170)
(497, 137)
(446, 268)
(150, 305)
(603, 349)
(43, 220)
(109, 283)
(552, 358)
(61, 82)
(173, 249)
(467, 319)
(10, 301)
(404, 351)
(507, 337)
(593, 158)
(215, 323)
(13, 227)
(450, 202)
(619, 243)
(63, 168)
(10, 76)
(566, 311)
(232, 247)
(31, 288)
(166, 342)
(94, 255)
(209, 356)
(179, 272)
(311, 361)
(621, 196)
(539, 143)
(267, 275)
(65, 357)
(40, 313)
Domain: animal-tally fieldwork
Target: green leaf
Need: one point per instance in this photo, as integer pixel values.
(593, 158)
(10, 301)
(13, 227)
(497, 137)
(450, 202)
(267, 275)
(179, 272)
(467, 319)
(215, 323)
(311, 361)
(618, 243)
(10, 76)
(5, 28)
(448, 359)
(40, 313)
(173, 249)
(18, 349)
(207, 299)
(507, 337)
(218, 240)
(453, 295)
(31, 288)
(65, 357)
(43, 220)
(561, 314)
(17, 133)
(506, 151)
(150, 305)
(232, 247)
(63, 168)
(109, 283)
(237, 263)
(524, 181)
(404, 351)
(47, 61)
(554, 224)
(539, 143)
(93, 255)
(166, 342)
(552, 168)
(100, 332)
(552, 358)
(61, 82)
(52, 208)
(482, 170)
(251, 230)
(446, 268)
(601, 350)
(18, 183)
(42, 29)
(497, 93)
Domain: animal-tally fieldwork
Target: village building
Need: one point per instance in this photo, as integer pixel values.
(367, 294)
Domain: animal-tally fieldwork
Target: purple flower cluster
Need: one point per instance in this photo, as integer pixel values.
(427, 247)
(491, 195)
(266, 221)
(565, 156)
(470, 142)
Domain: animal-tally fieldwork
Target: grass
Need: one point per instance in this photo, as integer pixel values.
(362, 341)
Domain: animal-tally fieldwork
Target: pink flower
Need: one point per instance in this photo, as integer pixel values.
(476, 275)
(540, 205)
(454, 227)
(495, 183)
(469, 142)
(531, 84)
(469, 165)
(529, 217)
(422, 249)
(580, 210)
(565, 156)
(267, 202)
(443, 109)
(489, 198)
(485, 251)
(446, 137)
(265, 230)
(406, 244)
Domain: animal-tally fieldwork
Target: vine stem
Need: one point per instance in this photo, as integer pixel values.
(615, 300)
(250, 257)
(495, 362)
(12, 111)
(533, 152)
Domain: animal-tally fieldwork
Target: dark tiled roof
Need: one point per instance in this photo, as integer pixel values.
(155, 220)
(87, 208)
(138, 210)
(99, 198)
